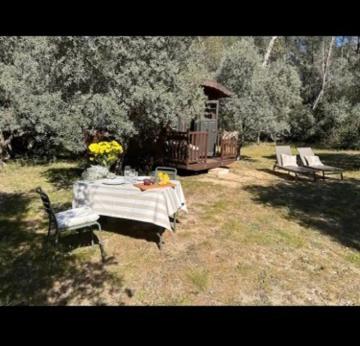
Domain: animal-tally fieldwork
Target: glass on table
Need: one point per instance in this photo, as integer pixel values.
(127, 170)
(132, 175)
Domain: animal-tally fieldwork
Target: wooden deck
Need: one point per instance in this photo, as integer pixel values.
(209, 164)
(189, 151)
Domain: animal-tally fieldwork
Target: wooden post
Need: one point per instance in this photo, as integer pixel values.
(206, 148)
(188, 148)
(221, 147)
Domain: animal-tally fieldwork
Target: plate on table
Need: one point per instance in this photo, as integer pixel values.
(115, 181)
(142, 178)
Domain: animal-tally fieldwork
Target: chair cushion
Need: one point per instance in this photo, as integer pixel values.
(76, 217)
(288, 160)
(313, 160)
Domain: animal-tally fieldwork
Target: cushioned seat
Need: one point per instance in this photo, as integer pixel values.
(76, 217)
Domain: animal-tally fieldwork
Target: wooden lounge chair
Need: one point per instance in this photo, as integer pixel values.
(320, 167)
(297, 170)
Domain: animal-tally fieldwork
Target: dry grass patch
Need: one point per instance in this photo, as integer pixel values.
(250, 237)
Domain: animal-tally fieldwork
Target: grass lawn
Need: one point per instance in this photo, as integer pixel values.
(252, 237)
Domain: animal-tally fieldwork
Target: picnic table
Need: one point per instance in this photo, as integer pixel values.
(126, 201)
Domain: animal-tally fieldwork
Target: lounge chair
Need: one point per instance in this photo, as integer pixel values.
(294, 168)
(317, 165)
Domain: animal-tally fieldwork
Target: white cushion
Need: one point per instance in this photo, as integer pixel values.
(288, 160)
(313, 160)
(76, 217)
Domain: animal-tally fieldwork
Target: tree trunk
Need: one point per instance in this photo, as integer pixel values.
(4, 145)
(269, 49)
(258, 138)
(358, 45)
(238, 154)
(239, 145)
(325, 68)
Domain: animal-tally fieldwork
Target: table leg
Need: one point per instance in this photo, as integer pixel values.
(160, 239)
(174, 222)
(97, 240)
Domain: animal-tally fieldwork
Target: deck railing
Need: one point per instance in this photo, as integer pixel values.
(228, 148)
(191, 147)
(197, 148)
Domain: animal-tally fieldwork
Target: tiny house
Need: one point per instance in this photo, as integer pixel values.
(200, 144)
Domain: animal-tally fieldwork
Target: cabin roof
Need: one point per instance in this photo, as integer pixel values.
(215, 90)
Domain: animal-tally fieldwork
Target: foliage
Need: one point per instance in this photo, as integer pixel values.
(52, 89)
(264, 96)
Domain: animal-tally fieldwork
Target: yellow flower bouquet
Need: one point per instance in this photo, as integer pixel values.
(105, 153)
(164, 178)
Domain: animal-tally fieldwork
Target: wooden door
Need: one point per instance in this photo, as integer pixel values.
(210, 126)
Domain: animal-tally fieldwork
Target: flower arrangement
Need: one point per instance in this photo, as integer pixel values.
(105, 153)
(164, 178)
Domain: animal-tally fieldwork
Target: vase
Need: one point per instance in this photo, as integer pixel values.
(95, 172)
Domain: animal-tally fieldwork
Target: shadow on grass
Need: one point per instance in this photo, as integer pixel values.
(330, 207)
(63, 178)
(247, 158)
(33, 272)
(270, 157)
(348, 162)
(280, 174)
(132, 228)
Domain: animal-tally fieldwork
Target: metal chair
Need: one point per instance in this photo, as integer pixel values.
(69, 220)
(172, 172)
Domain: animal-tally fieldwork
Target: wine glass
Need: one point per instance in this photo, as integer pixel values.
(127, 171)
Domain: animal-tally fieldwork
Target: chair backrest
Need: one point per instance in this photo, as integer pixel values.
(172, 172)
(282, 149)
(47, 206)
(305, 152)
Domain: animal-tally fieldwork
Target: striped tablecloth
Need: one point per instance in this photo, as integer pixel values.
(128, 202)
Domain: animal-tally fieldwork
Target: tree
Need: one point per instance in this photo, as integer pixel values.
(240, 70)
(325, 69)
(269, 49)
(52, 89)
(263, 97)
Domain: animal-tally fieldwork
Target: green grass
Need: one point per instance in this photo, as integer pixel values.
(253, 237)
(354, 258)
(199, 278)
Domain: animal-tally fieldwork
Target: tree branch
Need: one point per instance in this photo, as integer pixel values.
(325, 73)
(269, 49)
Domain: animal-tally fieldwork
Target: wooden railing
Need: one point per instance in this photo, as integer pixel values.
(228, 148)
(189, 147)
(176, 146)
(197, 149)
